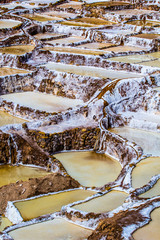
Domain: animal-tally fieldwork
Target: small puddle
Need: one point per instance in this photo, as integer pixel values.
(104, 203)
(144, 170)
(151, 230)
(17, 50)
(11, 174)
(57, 229)
(90, 168)
(6, 118)
(4, 222)
(30, 209)
(148, 141)
(42, 101)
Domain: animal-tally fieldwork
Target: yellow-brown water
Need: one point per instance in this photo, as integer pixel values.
(149, 141)
(57, 229)
(17, 50)
(49, 204)
(104, 203)
(6, 118)
(41, 17)
(90, 168)
(147, 23)
(42, 101)
(4, 222)
(150, 231)
(11, 174)
(144, 170)
(5, 71)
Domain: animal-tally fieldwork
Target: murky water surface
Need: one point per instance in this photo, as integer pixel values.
(90, 71)
(57, 229)
(5, 71)
(151, 230)
(6, 118)
(4, 222)
(49, 204)
(144, 171)
(148, 141)
(42, 101)
(17, 50)
(104, 203)
(11, 174)
(90, 168)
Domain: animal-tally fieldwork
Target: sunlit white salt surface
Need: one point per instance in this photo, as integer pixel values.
(30, 209)
(42, 101)
(4, 222)
(150, 231)
(154, 191)
(149, 141)
(90, 71)
(9, 23)
(6, 118)
(117, 31)
(61, 14)
(145, 170)
(90, 168)
(104, 203)
(5, 71)
(57, 229)
(11, 174)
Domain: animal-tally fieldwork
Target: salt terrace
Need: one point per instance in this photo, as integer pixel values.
(79, 120)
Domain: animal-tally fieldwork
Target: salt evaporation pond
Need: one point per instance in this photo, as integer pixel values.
(103, 204)
(148, 141)
(11, 174)
(17, 50)
(42, 101)
(4, 222)
(41, 17)
(67, 40)
(6, 118)
(90, 168)
(90, 71)
(145, 170)
(57, 229)
(151, 230)
(9, 23)
(5, 71)
(33, 208)
(154, 191)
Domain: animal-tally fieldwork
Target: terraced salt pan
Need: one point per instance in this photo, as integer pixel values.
(61, 15)
(103, 204)
(125, 49)
(68, 40)
(117, 31)
(17, 50)
(148, 36)
(149, 141)
(91, 71)
(95, 45)
(57, 229)
(131, 12)
(151, 230)
(90, 168)
(72, 4)
(44, 36)
(6, 118)
(4, 222)
(30, 209)
(157, 88)
(147, 23)
(5, 71)
(137, 58)
(144, 171)
(41, 17)
(154, 191)
(154, 63)
(11, 174)
(42, 101)
(9, 23)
